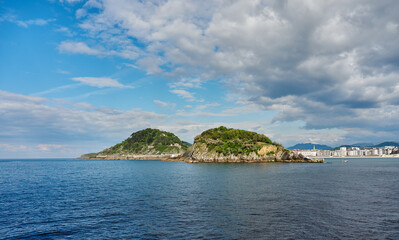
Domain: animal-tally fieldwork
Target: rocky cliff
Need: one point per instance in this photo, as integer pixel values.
(233, 145)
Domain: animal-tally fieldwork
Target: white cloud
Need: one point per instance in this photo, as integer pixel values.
(77, 47)
(164, 104)
(61, 71)
(82, 48)
(200, 114)
(13, 97)
(12, 148)
(70, 129)
(49, 147)
(150, 64)
(55, 90)
(100, 82)
(37, 22)
(187, 83)
(66, 31)
(70, 1)
(25, 23)
(208, 105)
(183, 94)
(327, 63)
(27, 118)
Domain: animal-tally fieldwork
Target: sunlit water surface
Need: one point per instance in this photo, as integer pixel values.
(80, 199)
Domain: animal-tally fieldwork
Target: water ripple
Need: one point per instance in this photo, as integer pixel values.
(79, 199)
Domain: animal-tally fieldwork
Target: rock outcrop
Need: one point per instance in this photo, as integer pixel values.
(233, 145)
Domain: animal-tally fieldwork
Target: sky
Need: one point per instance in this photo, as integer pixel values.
(77, 76)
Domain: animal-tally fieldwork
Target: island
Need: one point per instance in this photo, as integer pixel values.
(217, 145)
(146, 144)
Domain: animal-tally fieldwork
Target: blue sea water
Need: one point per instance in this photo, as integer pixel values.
(81, 199)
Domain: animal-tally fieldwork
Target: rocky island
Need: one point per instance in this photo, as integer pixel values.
(143, 145)
(234, 145)
(214, 145)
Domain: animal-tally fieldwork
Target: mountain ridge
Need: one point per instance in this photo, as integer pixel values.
(309, 146)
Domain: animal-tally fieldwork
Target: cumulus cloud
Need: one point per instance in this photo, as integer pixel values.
(53, 127)
(34, 118)
(327, 63)
(100, 82)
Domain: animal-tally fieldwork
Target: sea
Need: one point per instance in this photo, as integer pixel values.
(109, 199)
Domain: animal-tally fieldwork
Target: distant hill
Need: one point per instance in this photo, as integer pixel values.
(147, 142)
(362, 145)
(310, 146)
(370, 145)
(384, 144)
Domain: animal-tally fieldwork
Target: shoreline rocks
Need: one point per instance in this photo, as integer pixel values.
(181, 158)
(252, 158)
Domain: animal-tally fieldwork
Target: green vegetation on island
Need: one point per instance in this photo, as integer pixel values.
(89, 155)
(234, 145)
(229, 141)
(214, 145)
(148, 142)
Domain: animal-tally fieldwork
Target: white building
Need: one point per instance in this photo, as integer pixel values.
(307, 153)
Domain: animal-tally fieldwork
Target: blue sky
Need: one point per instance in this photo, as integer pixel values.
(77, 76)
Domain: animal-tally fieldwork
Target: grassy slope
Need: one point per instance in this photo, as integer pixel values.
(228, 141)
(148, 141)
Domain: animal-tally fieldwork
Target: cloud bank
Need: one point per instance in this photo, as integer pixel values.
(38, 126)
(30, 118)
(330, 64)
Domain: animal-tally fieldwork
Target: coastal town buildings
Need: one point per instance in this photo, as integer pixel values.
(387, 151)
